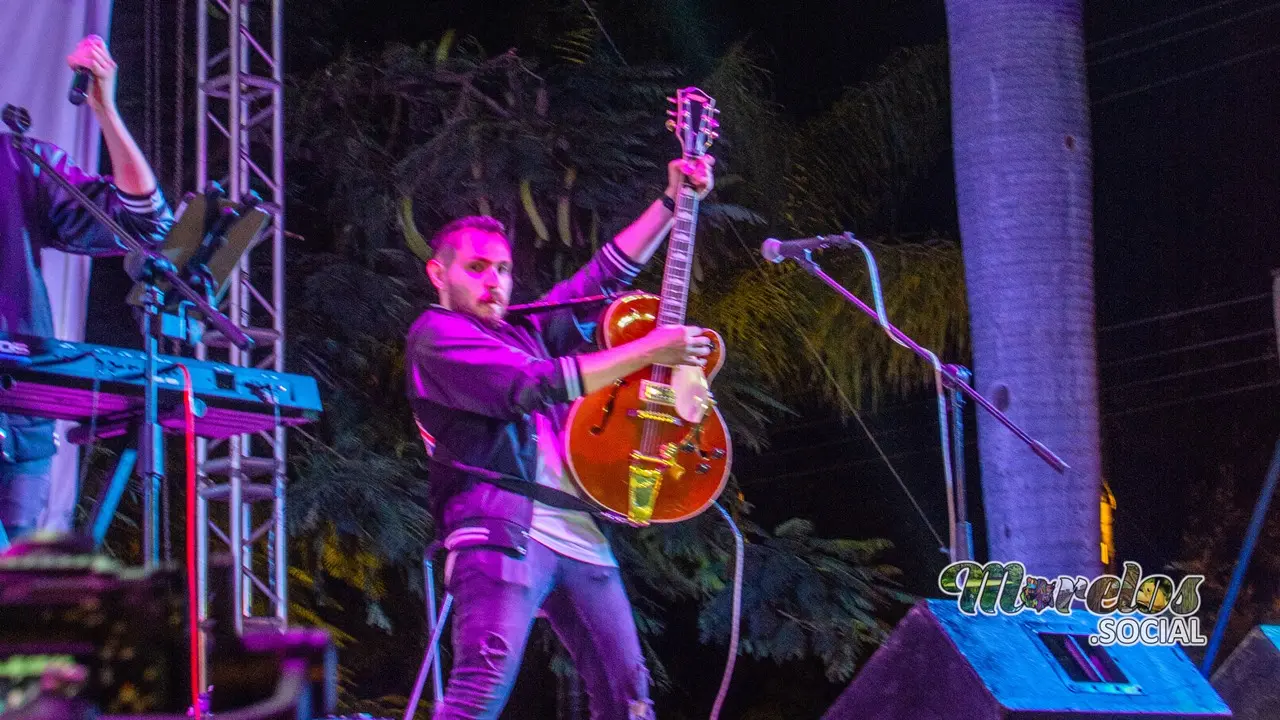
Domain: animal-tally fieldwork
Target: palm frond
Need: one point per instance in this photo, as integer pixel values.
(801, 337)
(890, 131)
(399, 142)
(808, 597)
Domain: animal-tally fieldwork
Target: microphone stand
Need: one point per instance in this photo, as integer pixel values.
(547, 306)
(958, 509)
(951, 383)
(155, 267)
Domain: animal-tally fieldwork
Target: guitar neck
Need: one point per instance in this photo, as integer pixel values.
(679, 269)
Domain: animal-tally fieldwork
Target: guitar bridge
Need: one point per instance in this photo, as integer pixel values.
(656, 417)
(662, 462)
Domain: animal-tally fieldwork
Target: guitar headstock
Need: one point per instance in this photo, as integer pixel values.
(693, 120)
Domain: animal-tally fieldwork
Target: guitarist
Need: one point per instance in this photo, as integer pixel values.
(490, 397)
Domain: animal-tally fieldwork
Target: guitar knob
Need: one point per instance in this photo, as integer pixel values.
(703, 468)
(717, 454)
(687, 447)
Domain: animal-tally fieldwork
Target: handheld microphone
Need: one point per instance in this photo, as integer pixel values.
(775, 250)
(79, 87)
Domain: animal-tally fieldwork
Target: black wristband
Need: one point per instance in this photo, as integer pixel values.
(668, 203)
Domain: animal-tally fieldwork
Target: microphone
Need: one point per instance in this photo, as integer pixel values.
(79, 87)
(775, 250)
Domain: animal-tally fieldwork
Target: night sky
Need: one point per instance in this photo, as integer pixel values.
(1186, 196)
(1186, 136)
(1185, 122)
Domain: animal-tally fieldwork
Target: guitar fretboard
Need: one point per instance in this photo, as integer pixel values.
(679, 269)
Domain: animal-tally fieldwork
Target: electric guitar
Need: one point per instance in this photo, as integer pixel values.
(653, 447)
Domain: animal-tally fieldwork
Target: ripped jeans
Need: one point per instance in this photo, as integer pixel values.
(496, 598)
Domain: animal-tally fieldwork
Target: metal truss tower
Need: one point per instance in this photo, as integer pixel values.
(240, 143)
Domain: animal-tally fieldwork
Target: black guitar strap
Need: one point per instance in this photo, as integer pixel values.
(538, 493)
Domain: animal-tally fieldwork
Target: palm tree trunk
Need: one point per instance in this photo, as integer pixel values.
(1024, 187)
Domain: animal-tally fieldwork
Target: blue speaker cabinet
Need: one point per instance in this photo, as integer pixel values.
(1249, 679)
(940, 664)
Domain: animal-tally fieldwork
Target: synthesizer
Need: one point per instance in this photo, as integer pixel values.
(103, 386)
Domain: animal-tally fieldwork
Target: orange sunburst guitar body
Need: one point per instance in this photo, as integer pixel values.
(653, 447)
(630, 439)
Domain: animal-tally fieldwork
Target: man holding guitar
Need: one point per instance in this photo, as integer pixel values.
(490, 398)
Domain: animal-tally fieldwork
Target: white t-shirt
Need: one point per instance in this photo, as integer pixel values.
(570, 533)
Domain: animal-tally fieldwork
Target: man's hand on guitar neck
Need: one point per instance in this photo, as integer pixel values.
(639, 240)
(696, 171)
(669, 345)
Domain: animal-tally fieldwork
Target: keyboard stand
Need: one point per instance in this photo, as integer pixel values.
(152, 269)
(109, 499)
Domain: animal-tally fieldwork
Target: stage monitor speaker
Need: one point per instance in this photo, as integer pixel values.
(1249, 679)
(940, 664)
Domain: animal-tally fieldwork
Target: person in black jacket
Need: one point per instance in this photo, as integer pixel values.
(36, 213)
(490, 398)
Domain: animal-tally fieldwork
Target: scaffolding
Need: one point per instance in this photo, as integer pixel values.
(240, 144)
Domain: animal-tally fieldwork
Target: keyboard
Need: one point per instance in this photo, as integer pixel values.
(57, 379)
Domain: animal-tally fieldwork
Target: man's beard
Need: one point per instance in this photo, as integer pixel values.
(480, 311)
(490, 318)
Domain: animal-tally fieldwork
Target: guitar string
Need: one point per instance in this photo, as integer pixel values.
(669, 306)
(657, 372)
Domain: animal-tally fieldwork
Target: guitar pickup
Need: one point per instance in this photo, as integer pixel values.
(651, 391)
